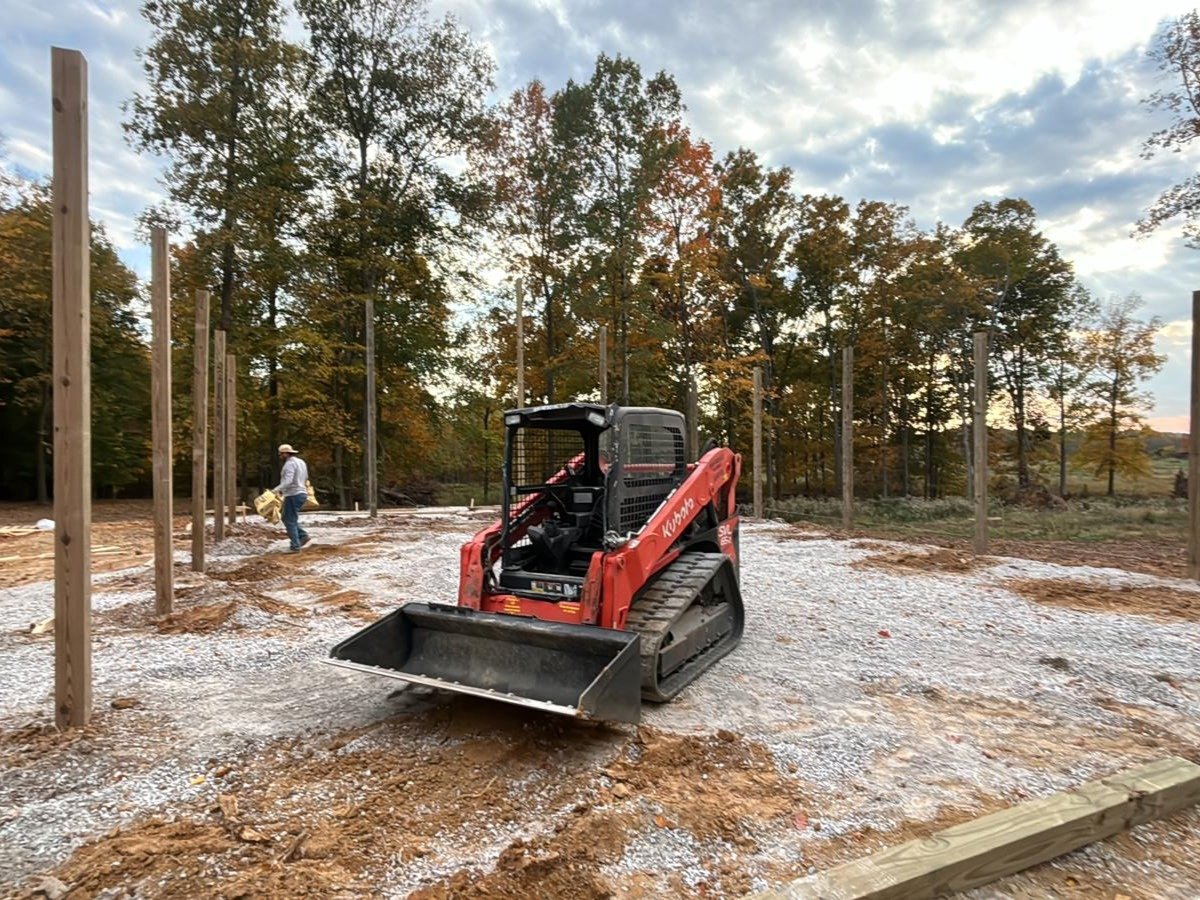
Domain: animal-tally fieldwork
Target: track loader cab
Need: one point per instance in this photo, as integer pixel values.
(580, 478)
(611, 576)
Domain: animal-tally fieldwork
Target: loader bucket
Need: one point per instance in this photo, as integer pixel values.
(575, 670)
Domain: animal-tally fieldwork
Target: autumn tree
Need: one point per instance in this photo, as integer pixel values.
(532, 161)
(626, 148)
(1026, 289)
(1176, 51)
(1067, 384)
(683, 261)
(754, 228)
(821, 256)
(1119, 352)
(399, 96)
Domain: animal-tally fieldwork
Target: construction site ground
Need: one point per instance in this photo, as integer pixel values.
(883, 691)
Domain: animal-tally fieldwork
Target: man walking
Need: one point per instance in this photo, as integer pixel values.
(292, 481)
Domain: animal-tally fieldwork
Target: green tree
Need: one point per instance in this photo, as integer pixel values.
(532, 162)
(754, 228)
(215, 70)
(1026, 289)
(626, 150)
(1119, 352)
(399, 96)
(120, 361)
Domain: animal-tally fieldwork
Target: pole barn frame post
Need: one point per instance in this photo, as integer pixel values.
(981, 441)
(693, 418)
(219, 441)
(72, 385)
(1194, 448)
(758, 444)
(199, 429)
(602, 349)
(160, 419)
(847, 437)
(520, 321)
(231, 494)
(371, 487)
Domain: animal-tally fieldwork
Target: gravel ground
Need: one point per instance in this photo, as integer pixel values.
(887, 699)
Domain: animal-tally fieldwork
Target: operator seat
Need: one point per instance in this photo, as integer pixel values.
(552, 541)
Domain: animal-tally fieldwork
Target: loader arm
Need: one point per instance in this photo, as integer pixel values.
(708, 490)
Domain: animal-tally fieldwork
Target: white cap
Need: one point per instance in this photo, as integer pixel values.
(286, 448)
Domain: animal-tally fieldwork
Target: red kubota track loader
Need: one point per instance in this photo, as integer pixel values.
(611, 576)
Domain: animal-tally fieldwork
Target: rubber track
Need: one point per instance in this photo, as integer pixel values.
(653, 612)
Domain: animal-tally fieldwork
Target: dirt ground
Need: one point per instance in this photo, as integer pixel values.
(881, 692)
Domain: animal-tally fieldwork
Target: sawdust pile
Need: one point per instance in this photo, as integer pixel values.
(940, 559)
(1164, 604)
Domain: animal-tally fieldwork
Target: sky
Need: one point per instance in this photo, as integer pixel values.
(934, 104)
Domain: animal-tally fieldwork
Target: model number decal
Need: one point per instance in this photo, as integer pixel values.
(725, 535)
(681, 515)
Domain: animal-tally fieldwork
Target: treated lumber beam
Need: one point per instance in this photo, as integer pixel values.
(981, 435)
(160, 419)
(72, 374)
(847, 437)
(199, 429)
(756, 403)
(231, 494)
(220, 447)
(980, 851)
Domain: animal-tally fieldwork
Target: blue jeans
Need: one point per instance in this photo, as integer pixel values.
(291, 519)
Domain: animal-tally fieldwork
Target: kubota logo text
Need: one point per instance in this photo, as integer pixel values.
(681, 515)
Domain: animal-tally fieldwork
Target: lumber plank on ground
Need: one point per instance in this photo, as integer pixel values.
(982, 850)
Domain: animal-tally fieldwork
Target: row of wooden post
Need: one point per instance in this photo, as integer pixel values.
(980, 443)
(71, 316)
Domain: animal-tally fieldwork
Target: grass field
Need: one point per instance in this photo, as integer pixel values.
(1082, 519)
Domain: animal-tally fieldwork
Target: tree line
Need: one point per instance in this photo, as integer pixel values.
(363, 163)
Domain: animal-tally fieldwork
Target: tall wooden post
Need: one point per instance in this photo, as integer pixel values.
(602, 349)
(758, 444)
(693, 419)
(372, 480)
(199, 429)
(219, 440)
(71, 312)
(199, 426)
(231, 494)
(160, 420)
(981, 437)
(847, 437)
(1194, 448)
(520, 344)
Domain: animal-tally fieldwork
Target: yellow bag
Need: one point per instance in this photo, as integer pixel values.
(312, 502)
(269, 506)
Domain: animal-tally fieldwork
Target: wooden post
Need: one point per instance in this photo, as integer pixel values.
(693, 420)
(981, 438)
(602, 349)
(231, 494)
(372, 483)
(1194, 448)
(160, 420)
(72, 385)
(758, 460)
(219, 445)
(847, 437)
(520, 344)
(199, 429)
